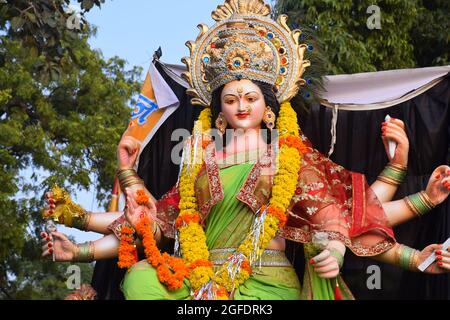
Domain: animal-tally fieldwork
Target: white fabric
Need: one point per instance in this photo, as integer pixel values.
(164, 95)
(378, 87)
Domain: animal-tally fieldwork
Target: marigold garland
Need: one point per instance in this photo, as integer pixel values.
(127, 249)
(186, 219)
(285, 180)
(191, 234)
(171, 271)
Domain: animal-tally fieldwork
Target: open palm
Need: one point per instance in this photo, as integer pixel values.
(60, 245)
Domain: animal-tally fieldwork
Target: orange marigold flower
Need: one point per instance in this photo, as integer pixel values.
(205, 142)
(221, 292)
(185, 219)
(141, 197)
(279, 214)
(171, 271)
(246, 266)
(294, 142)
(127, 249)
(200, 263)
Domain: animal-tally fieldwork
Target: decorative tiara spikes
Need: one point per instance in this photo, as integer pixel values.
(244, 7)
(245, 43)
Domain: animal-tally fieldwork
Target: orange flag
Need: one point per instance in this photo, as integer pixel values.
(155, 104)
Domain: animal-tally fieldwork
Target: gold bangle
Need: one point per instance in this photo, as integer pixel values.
(406, 257)
(81, 222)
(426, 198)
(415, 261)
(124, 181)
(393, 174)
(388, 181)
(85, 252)
(397, 254)
(400, 167)
(411, 207)
(133, 176)
(420, 203)
(130, 181)
(125, 173)
(87, 221)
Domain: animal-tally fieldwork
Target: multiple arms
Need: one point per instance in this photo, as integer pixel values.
(326, 264)
(385, 187)
(392, 176)
(437, 191)
(107, 247)
(104, 248)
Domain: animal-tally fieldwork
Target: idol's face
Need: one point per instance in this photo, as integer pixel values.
(243, 104)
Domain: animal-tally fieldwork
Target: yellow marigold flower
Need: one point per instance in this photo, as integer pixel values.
(199, 276)
(205, 118)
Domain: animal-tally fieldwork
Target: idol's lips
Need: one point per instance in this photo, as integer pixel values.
(242, 115)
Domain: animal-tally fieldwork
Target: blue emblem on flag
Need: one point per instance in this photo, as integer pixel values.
(144, 108)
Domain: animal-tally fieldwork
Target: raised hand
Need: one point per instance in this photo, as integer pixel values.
(127, 152)
(135, 212)
(438, 187)
(442, 263)
(58, 243)
(325, 265)
(394, 130)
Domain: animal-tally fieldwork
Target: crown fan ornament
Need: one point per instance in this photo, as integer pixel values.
(245, 43)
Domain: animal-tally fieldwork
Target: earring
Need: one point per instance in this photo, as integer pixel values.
(269, 118)
(221, 123)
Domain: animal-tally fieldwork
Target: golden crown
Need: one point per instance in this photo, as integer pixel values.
(245, 43)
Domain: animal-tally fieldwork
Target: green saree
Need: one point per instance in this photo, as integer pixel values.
(226, 227)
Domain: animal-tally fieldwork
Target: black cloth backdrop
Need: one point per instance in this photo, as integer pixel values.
(358, 148)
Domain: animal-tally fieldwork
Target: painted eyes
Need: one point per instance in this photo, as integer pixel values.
(249, 99)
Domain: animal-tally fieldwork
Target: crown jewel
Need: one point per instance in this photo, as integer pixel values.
(245, 44)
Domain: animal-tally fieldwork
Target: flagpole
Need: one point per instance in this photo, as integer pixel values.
(114, 205)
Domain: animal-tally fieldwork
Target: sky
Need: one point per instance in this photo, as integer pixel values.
(133, 30)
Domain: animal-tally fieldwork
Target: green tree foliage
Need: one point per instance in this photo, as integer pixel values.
(63, 108)
(413, 32)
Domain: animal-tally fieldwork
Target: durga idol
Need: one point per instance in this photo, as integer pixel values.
(249, 181)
